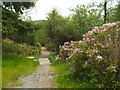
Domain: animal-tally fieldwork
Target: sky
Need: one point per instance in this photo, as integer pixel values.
(43, 7)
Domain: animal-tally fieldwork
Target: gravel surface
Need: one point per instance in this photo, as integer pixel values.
(41, 78)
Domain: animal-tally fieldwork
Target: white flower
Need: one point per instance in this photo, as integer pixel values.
(100, 57)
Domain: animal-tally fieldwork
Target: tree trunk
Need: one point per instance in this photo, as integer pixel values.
(105, 11)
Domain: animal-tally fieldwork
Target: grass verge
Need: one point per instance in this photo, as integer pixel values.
(65, 79)
(14, 67)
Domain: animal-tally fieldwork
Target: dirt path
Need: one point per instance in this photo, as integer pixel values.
(41, 78)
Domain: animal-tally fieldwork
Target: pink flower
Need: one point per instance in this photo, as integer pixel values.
(72, 45)
(96, 27)
(99, 57)
(117, 29)
(80, 41)
(94, 30)
(67, 58)
(113, 67)
(95, 44)
(94, 51)
(66, 42)
(108, 35)
(70, 56)
(93, 39)
(109, 39)
(65, 48)
(68, 49)
(78, 49)
(86, 62)
(103, 46)
(107, 44)
(88, 39)
(110, 24)
(99, 31)
(104, 29)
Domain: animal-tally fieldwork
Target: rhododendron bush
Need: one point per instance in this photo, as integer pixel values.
(96, 57)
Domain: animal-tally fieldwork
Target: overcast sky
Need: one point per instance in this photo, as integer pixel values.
(43, 7)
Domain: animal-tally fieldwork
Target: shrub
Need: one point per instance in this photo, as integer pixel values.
(53, 57)
(95, 58)
(20, 49)
(52, 47)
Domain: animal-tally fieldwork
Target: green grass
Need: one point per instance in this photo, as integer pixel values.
(65, 79)
(14, 67)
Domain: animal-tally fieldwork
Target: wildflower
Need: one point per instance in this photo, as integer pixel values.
(66, 42)
(95, 44)
(80, 41)
(109, 39)
(71, 49)
(94, 30)
(107, 44)
(86, 62)
(103, 46)
(93, 39)
(96, 27)
(117, 29)
(78, 49)
(67, 58)
(83, 38)
(70, 56)
(83, 35)
(68, 49)
(104, 29)
(65, 48)
(113, 67)
(100, 57)
(87, 39)
(110, 24)
(94, 51)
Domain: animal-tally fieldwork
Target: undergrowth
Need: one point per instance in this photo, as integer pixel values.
(66, 78)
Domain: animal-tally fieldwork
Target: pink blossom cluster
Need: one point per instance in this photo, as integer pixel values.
(110, 24)
(95, 51)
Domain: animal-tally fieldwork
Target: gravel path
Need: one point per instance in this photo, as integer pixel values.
(41, 78)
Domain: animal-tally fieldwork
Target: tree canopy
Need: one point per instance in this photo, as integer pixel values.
(18, 7)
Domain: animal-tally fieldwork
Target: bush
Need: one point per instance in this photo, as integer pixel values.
(53, 57)
(96, 57)
(52, 46)
(20, 49)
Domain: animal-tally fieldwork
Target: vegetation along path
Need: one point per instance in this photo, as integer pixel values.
(41, 78)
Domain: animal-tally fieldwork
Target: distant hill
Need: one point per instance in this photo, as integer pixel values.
(37, 21)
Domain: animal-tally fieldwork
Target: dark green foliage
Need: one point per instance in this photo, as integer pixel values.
(12, 25)
(25, 33)
(9, 21)
(18, 7)
(53, 57)
(59, 30)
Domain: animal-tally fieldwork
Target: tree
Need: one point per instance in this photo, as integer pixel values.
(105, 11)
(85, 17)
(18, 7)
(11, 17)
